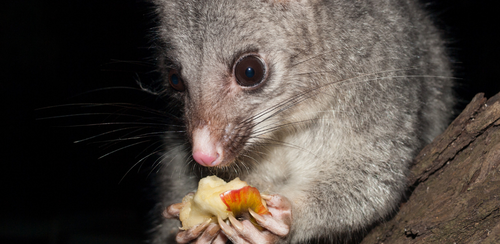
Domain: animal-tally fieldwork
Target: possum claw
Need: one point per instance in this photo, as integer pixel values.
(276, 226)
(193, 233)
(172, 211)
(210, 235)
(281, 216)
(230, 232)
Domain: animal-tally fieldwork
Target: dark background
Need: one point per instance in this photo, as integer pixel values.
(66, 52)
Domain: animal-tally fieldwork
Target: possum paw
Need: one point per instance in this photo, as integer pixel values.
(275, 226)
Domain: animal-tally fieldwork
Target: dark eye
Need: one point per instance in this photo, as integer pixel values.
(175, 80)
(250, 71)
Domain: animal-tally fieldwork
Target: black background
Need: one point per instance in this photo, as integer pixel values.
(65, 52)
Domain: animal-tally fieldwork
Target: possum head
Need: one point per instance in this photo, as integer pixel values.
(230, 63)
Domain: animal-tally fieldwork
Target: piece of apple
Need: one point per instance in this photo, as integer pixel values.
(215, 197)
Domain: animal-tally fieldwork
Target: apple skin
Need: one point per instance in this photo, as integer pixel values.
(215, 197)
(240, 200)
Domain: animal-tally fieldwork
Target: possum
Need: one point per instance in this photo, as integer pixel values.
(320, 104)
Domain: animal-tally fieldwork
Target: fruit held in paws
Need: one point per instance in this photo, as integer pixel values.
(215, 198)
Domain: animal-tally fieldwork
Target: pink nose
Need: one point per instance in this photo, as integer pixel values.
(206, 150)
(204, 159)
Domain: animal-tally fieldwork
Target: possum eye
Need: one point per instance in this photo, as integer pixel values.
(175, 80)
(250, 71)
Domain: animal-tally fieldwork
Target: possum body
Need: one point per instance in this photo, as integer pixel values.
(320, 103)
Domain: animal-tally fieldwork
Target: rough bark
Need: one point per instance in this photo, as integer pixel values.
(456, 184)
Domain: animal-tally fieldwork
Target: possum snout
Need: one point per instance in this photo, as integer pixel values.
(213, 147)
(207, 151)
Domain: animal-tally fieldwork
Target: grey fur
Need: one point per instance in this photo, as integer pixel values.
(355, 89)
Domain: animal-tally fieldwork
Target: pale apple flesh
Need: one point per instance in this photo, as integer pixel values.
(215, 197)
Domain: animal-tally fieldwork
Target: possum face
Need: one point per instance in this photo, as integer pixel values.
(220, 108)
(229, 64)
